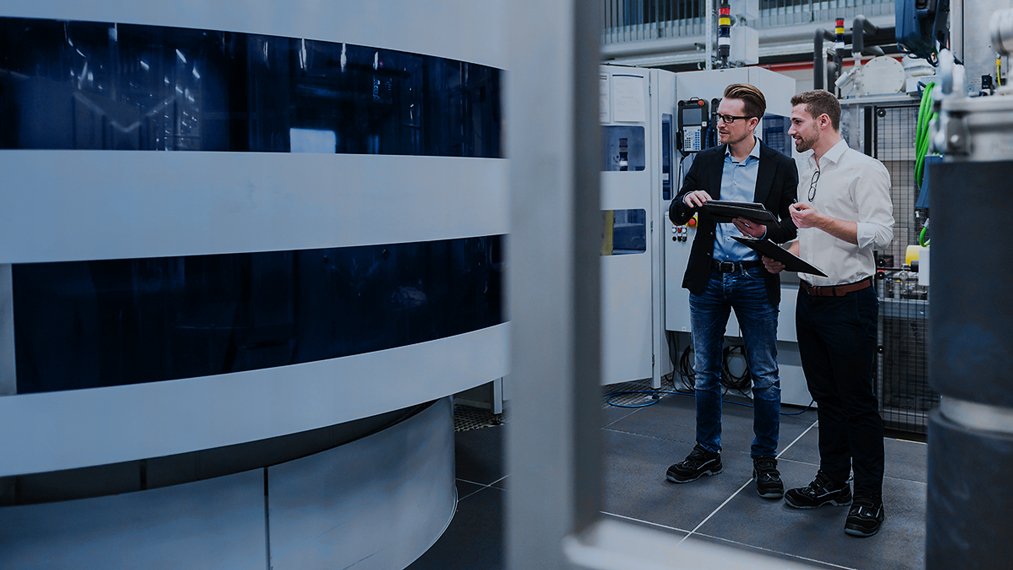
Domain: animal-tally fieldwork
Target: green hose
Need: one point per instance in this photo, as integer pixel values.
(925, 116)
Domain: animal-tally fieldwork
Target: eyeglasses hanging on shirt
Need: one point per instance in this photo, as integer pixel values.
(812, 184)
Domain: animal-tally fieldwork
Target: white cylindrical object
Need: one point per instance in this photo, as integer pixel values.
(1001, 30)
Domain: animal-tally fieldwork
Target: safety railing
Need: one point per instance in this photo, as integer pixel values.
(626, 21)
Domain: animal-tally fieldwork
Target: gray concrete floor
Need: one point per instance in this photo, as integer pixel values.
(641, 443)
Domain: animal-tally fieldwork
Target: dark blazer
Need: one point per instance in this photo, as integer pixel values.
(776, 189)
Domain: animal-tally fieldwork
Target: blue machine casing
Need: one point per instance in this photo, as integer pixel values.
(919, 23)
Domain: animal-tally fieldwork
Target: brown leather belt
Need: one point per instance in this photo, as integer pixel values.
(836, 290)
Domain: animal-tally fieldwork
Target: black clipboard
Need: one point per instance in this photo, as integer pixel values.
(772, 250)
(724, 210)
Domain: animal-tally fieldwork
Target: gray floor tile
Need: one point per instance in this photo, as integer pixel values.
(479, 454)
(675, 532)
(465, 489)
(674, 418)
(502, 483)
(818, 534)
(640, 444)
(474, 538)
(671, 418)
(635, 486)
(767, 552)
(612, 414)
(906, 460)
(903, 459)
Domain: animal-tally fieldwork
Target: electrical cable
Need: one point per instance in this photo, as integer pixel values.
(922, 135)
(680, 367)
(656, 394)
(730, 379)
(802, 411)
(686, 373)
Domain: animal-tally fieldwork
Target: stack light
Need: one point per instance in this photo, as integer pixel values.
(839, 40)
(724, 31)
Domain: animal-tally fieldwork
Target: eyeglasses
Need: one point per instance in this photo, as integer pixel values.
(812, 185)
(728, 119)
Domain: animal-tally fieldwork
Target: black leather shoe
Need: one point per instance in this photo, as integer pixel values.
(768, 480)
(822, 491)
(864, 518)
(700, 462)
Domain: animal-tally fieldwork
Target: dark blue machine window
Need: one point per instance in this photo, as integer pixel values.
(624, 232)
(666, 157)
(622, 148)
(87, 324)
(95, 85)
(775, 133)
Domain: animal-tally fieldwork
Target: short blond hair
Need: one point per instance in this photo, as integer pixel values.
(755, 102)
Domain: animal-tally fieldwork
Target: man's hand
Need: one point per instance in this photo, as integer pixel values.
(775, 266)
(805, 216)
(696, 198)
(751, 229)
(772, 265)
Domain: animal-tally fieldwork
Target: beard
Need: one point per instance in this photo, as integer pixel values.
(803, 144)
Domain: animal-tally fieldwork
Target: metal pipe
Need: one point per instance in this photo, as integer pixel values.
(859, 28)
(819, 55)
(709, 33)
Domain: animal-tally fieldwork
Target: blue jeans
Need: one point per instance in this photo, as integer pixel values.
(745, 292)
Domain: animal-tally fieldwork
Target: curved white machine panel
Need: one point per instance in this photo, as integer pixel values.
(322, 244)
(377, 502)
(149, 204)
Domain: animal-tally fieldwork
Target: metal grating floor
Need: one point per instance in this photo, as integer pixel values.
(635, 394)
(469, 418)
(627, 394)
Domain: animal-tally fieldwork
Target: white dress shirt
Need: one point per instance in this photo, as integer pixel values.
(852, 187)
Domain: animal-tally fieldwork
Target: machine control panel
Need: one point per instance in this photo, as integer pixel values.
(693, 114)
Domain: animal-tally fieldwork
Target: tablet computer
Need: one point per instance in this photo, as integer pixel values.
(724, 210)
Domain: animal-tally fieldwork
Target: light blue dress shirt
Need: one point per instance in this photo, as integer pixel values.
(738, 182)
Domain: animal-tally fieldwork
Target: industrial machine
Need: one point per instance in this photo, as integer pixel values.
(653, 124)
(637, 107)
(970, 433)
(248, 251)
(968, 362)
(703, 90)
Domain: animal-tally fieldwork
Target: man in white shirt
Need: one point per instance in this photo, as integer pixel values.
(844, 212)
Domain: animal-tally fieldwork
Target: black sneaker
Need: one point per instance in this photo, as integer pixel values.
(768, 480)
(700, 462)
(865, 517)
(822, 491)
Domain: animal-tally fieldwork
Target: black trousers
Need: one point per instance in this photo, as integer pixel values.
(837, 345)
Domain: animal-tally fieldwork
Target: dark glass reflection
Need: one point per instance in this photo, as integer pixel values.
(775, 133)
(624, 232)
(94, 85)
(87, 324)
(622, 148)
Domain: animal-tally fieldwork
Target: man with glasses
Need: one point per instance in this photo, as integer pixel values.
(846, 213)
(724, 275)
